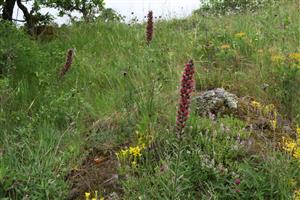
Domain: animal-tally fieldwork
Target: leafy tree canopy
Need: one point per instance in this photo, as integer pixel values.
(231, 6)
(89, 10)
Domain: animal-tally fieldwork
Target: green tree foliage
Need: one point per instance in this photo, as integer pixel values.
(32, 17)
(231, 6)
(109, 14)
(88, 8)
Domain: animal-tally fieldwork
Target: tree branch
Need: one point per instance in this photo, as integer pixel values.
(24, 10)
(18, 20)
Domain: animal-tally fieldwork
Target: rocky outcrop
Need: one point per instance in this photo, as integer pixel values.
(216, 102)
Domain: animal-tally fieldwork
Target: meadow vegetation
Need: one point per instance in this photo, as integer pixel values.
(120, 98)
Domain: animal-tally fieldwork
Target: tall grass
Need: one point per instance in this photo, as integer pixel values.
(126, 85)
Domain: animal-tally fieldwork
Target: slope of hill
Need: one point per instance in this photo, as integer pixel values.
(108, 124)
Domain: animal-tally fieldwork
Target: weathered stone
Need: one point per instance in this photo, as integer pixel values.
(217, 101)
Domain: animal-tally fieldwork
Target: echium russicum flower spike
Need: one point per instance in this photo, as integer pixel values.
(187, 87)
(67, 66)
(149, 32)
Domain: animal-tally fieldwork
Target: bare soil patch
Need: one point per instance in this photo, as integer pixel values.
(98, 172)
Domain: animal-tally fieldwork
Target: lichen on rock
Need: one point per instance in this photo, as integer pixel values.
(217, 102)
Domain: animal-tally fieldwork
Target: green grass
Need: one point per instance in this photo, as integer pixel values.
(47, 123)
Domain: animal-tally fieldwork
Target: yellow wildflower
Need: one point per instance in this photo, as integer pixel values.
(289, 146)
(87, 195)
(102, 198)
(256, 104)
(143, 146)
(96, 194)
(268, 109)
(296, 153)
(275, 114)
(124, 153)
(298, 131)
(297, 194)
(135, 151)
(240, 34)
(273, 124)
(94, 198)
(134, 164)
(294, 56)
(277, 58)
(225, 46)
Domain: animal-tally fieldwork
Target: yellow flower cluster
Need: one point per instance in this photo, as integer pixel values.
(295, 56)
(277, 58)
(297, 194)
(225, 46)
(132, 151)
(291, 146)
(88, 194)
(268, 111)
(131, 154)
(273, 124)
(144, 139)
(256, 105)
(240, 34)
(135, 151)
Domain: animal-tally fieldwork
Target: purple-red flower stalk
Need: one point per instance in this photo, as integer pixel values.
(187, 87)
(68, 63)
(149, 32)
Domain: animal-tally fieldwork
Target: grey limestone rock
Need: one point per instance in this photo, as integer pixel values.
(216, 101)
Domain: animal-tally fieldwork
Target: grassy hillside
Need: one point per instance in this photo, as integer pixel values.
(59, 137)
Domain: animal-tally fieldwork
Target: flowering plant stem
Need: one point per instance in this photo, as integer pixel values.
(67, 66)
(187, 87)
(149, 31)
